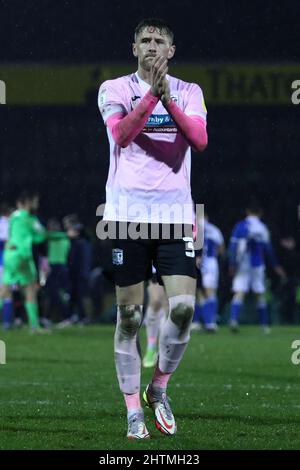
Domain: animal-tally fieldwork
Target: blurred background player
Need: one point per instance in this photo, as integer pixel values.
(156, 312)
(5, 212)
(57, 287)
(79, 269)
(250, 246)
(18, 263)
(208, 277)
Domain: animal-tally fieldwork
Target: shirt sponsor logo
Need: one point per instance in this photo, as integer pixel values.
(162, 123)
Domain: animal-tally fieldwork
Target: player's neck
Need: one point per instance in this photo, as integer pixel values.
(144, 75)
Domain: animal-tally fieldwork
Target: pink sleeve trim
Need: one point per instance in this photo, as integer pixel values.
(125, 129)
(193, 128)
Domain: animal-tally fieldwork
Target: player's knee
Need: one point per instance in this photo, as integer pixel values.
(238, 297)
(182, 313)
(130, 319)
(261, 302)
(5, 292)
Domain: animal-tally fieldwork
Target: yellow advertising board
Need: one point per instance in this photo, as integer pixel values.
(222, 84)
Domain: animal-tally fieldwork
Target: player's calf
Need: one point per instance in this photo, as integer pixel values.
(127, 354)
(175, 333)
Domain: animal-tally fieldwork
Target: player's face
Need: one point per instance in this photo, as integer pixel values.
(34, 203)
(150, 43)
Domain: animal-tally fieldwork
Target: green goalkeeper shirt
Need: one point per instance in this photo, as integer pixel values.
(24, 230)
(58, 248)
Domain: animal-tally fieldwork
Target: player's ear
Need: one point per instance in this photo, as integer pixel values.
(134, 51)
(171, 51)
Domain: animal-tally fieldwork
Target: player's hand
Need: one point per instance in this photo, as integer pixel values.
(198, 262)
(159, 70)
(166, 94)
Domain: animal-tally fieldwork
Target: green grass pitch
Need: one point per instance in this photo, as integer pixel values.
(230, 392)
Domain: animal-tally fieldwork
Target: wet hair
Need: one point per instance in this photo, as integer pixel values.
(71, 221)
(254, 207)
(156, 23)
(27, 195)
(54, 224)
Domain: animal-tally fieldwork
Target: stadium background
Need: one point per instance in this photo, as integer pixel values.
(60, 391)
(54, 56)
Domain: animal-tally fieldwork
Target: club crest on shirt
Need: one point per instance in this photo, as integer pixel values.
(117, 256)
(174, 98)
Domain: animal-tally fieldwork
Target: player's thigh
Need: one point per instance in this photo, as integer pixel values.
(130, 295)
(210, 273)
(258, 280)
(5, 291)
(241, 282)
(210, 280)
(27, 274)
(179, 285)
(18, 270)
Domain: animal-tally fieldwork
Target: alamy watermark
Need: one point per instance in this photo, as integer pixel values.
(151, 222)
(2, 352)
(2, 92)
(295, 357)
(296, 93)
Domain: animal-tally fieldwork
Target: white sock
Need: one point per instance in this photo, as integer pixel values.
(174, 337)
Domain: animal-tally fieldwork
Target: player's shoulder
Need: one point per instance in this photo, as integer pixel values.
(209, 227)
(217, 232)
(258, 224)
(264, 228)
(19, 217)
(241, 223)
(180, 85)
(240, 227)
(212, 226)
(119, 82)
(18, 214)
(218, 235)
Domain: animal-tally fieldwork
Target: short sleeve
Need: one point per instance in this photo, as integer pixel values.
(110, 100)
(38, 231)
(239, 231)
(195, 105)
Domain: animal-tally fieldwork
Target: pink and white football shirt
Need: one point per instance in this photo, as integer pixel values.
(149, 180)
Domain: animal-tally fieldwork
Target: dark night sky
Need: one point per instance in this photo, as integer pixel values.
(93, 30)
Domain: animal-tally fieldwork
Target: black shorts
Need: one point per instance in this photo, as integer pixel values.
(133, 259)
